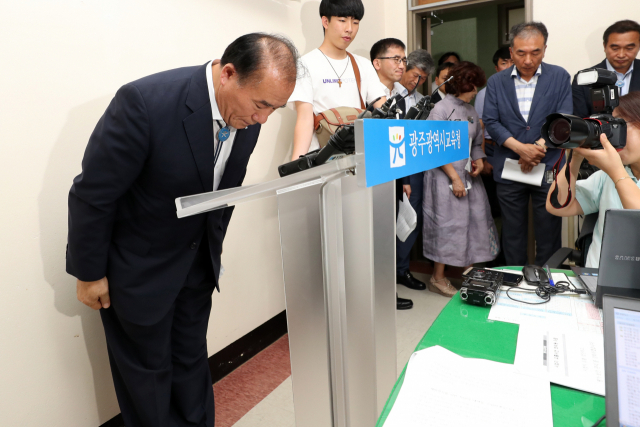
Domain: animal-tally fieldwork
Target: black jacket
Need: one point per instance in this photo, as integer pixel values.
(581, 99)
(153, 144)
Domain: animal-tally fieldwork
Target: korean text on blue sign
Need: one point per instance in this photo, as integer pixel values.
(397, 148)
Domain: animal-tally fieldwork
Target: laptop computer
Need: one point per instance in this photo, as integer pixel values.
(619, 272)
(622, 360)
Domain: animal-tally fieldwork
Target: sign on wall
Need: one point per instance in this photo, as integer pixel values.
(397, 148)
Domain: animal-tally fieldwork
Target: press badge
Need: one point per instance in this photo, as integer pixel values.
(548, 176)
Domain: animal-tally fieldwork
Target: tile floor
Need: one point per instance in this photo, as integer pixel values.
(276, 409)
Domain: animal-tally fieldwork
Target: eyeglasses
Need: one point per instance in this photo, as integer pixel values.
(396, 59)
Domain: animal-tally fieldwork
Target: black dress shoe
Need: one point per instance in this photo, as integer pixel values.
(403, 303)
(410, 282)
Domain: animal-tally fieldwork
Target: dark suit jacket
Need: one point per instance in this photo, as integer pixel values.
(581, 98)
(436, 98)
(502, 117)
(153, 144)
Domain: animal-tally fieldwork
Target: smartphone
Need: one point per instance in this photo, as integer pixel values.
(510, 279)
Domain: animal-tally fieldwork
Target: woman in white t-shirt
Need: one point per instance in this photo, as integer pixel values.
(329, 81)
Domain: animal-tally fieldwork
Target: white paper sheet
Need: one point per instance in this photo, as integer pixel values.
(443, 389)
(567, 357)
(407, 219)
(563, 311)
(513, 172)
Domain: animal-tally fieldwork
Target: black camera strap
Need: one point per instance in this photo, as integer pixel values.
(567, 173)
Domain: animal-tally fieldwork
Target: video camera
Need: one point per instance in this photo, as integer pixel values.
(568, 131)
(342, 142)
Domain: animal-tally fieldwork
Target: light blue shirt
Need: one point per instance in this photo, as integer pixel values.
(410, 100)
(597, 194)
(624, 80)
(525, 90)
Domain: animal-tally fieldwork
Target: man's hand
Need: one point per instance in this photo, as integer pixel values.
(524, 166)
(531, 153)
(487, 169)
(407, 190)
(478, 166)
(94, 294)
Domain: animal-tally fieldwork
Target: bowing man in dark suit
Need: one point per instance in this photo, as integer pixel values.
(180, 132)
(516, 105)
(621, 43)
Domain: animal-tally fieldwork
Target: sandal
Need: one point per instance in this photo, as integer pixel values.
(442, 286)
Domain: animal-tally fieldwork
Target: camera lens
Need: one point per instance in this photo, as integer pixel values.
(560, 131)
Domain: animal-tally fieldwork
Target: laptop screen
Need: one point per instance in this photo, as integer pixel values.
(627, 338)
(620, 254)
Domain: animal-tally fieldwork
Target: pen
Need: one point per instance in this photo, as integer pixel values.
(548, 271)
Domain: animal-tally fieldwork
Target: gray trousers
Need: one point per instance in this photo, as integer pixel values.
(514, 204)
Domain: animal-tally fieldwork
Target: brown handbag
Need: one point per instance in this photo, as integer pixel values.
(327, 122)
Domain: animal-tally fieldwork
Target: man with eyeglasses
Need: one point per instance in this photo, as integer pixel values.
(390, 61)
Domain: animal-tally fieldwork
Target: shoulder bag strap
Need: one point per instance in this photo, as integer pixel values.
(356, 71)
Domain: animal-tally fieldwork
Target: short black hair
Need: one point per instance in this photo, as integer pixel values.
(620, 27)
(442, 67)
(447, 55)
(420, 59)
(502, 53)
(381, 46)
(528, 29)
(344, 8)
(254, 52)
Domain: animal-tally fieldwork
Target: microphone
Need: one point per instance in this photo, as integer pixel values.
(443, 83)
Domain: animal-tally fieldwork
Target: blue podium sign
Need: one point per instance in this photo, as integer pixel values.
(397, 148)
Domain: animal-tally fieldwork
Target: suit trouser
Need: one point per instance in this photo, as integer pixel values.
(514, 204)
(160, 371)
(403, 249)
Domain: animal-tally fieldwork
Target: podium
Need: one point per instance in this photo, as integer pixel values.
(337, 235)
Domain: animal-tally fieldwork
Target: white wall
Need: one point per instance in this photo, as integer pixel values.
(576, 28)
(62, 63)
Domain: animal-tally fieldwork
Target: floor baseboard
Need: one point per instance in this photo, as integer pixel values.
(235, 354)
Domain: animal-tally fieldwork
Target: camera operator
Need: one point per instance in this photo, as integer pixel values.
(517, 103)
(621, 45)
(615, 186)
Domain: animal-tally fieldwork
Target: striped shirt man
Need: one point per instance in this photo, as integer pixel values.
(525, 90)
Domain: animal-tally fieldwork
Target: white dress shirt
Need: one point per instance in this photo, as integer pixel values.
(218, 170)
(398, 89)
(624, 80)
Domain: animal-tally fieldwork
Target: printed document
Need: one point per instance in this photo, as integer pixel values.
(513, 172)
(570, 358)
(562, 311)
(407, 218)
(443, 389)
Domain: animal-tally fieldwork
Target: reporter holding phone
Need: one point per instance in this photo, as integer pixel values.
(458, 228)
(614, 186)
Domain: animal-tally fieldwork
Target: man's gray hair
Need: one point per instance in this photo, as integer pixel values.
(422, 60)
(528, 29)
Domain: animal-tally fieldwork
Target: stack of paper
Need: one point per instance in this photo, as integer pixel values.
(443, 389)
(570, 358)
(407, 219)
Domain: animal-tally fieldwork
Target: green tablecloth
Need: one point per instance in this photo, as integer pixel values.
(465, 330)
